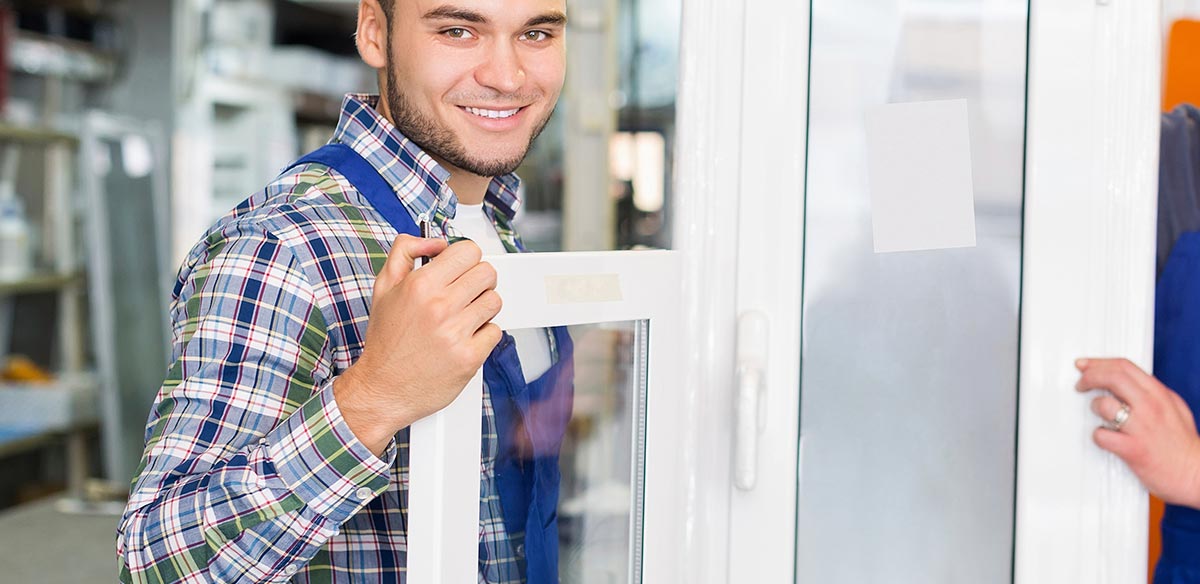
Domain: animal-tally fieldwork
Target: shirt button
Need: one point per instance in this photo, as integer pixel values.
(520, 549)
(291, 569)
(364, 494)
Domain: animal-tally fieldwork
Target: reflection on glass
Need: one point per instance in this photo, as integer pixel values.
(626, 116)
(908, 395)
(566, 450)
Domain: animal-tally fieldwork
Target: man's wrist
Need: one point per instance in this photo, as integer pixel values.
(322, 462)
(362, 414)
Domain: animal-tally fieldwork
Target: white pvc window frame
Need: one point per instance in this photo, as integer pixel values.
(1091, 170)
(1090, 218)
(557, 289)
(1090, 197)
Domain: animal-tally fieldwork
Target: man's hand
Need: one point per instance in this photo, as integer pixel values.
(1158, 440)
(429, 332)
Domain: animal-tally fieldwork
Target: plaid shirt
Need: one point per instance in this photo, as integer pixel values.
(250, 474)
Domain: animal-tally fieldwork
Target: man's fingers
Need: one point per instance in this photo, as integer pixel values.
(1106, 407)
(486, 338)
(479, 312)
(1121, 444)
(471, 284)
(405, 250)
(452, 263)
(1124, 379)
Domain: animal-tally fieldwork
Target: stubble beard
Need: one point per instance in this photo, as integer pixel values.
(441, 143)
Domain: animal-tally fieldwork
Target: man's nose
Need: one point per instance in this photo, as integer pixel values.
(503, 71)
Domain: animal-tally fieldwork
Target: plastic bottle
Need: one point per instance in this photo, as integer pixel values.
(15, 259)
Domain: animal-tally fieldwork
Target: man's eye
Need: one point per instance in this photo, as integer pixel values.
(457, 33)
(536, 35)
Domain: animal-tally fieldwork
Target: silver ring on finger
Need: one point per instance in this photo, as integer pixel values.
(1120, 419)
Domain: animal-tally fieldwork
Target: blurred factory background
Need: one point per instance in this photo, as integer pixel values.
(129, 126)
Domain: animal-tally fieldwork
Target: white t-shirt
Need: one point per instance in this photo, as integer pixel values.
(533, 348)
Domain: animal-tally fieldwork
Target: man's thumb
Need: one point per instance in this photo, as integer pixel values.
(405, 250)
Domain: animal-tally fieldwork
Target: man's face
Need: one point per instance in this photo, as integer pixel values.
(473, 82)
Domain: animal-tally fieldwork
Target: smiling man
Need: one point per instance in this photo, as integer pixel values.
(277, 447)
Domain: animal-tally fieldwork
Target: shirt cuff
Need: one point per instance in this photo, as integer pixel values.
(321, 461)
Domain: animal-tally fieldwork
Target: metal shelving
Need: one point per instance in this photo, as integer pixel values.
(65, 407)
(40, 282)
(50, 406)
(11, 133)
(249, 106)
(41, 55)
(344, 7)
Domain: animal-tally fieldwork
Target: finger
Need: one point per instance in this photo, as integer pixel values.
(1120, 444)
(452, 263)
(470, 285)
(1106, 407)
(405, 250)
(486, 338)
(478, 313)
(1124, 379)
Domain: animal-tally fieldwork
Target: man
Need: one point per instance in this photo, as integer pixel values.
(277, 447)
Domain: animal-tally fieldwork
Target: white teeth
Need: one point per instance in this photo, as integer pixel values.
(494, 114)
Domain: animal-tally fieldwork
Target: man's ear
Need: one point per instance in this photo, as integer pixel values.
(371, 34)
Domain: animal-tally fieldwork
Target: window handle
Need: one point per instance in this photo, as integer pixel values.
(750, 409)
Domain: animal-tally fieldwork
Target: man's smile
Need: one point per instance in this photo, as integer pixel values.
(492, 113)
(502, 118)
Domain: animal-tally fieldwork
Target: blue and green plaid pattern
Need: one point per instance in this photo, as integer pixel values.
(250, 474)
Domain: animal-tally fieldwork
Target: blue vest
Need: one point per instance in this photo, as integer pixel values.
(1177, 364)
(526, 471)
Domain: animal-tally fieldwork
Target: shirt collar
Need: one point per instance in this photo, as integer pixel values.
(418, 180)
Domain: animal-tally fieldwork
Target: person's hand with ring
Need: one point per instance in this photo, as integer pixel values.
(1147, 425)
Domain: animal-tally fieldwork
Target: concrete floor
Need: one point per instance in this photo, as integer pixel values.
(39, 543)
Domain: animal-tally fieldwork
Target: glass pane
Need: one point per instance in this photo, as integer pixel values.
(599, 176)
(909, 370)
(566, 447)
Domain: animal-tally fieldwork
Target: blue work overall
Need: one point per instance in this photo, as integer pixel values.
(1177, 364)
(531, 418)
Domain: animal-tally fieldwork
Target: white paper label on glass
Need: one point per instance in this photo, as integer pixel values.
(919, 167)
